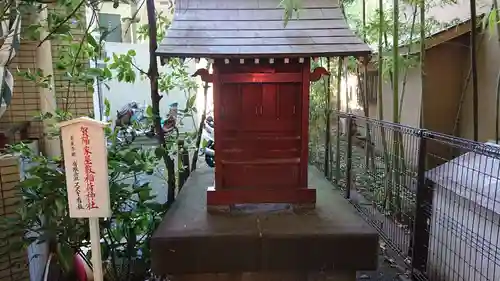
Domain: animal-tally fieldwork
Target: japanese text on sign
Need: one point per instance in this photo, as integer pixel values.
(76, 175)
(89, 172)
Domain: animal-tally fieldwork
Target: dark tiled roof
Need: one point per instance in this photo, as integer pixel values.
(254, 28)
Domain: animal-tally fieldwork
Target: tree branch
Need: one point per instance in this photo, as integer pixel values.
(66, 19)
(139, 69)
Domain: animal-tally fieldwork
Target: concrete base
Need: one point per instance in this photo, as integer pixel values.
(301, 208)
(262, 208)
(219, 209)
(267, 276)
(262, 237)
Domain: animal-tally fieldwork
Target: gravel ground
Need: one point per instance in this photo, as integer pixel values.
(388, 269)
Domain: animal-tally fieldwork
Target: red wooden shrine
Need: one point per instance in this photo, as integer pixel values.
(261, 134)
(261, 76)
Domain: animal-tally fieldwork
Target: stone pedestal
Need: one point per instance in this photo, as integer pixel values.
(262, 242)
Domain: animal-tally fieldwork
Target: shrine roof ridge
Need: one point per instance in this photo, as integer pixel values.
(255, 28)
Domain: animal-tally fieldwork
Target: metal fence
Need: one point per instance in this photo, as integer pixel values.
(434, 198)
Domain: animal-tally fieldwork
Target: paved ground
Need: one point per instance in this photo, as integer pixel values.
(158, 179)
(389, 267)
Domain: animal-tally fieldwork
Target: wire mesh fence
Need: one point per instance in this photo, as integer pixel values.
(433, 198)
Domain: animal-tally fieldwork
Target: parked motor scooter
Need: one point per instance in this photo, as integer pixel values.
(127, 117)
(169, 124)
(208, 136)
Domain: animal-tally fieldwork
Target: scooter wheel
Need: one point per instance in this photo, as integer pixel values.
(130, 138)
(210, 161)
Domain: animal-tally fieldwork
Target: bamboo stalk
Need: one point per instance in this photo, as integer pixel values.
(465, 86)
(405, 75)
(395, 104)
(422, 60)
(473, 47)
(328, 125)
(194, 160)
(388, 194)
(497, 103)
(366, 107)
(337, 151)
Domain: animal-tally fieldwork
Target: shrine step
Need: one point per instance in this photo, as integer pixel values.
(268, 195)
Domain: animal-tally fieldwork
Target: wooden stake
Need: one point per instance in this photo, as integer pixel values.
(95, 241)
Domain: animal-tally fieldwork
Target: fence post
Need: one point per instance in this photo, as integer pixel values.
(348, 173)
(423, 212)
(183, 163)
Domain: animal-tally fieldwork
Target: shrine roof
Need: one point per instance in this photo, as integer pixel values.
(255, 28)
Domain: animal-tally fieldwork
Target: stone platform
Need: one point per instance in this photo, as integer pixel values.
(268, 241)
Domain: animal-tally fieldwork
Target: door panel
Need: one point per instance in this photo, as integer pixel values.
(231, 107)
(251, 106)
(288, 107)
(261, 176)
(245, 149)
(269, 108)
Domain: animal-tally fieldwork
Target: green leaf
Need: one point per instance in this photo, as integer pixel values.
(65, 256)
(107, 107)
(31, 182)
(157, 207)
(160, 152)
(190, 102)
(149, 111)
(92, 42)
(145, 194)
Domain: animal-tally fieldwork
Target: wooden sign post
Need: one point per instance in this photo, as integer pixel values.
(86, 166)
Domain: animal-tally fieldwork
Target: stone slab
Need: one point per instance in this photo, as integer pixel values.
(267, 276)
(265, 237)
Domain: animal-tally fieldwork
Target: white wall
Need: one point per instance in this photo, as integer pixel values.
(120, 93)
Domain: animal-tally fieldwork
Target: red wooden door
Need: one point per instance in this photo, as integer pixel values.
(265, 152)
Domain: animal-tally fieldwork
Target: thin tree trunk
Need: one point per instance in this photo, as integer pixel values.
(337, 150)
(497, 104)
(366, 107)
(202, 122)
(465, 86)
(422, 60)
(403, 91)
(405, 75)
(194, 160)
(155, 101)
(387, 187)
(347, 93)
(395, 106)
(328, 125)
(473, 47)
(422, 81)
